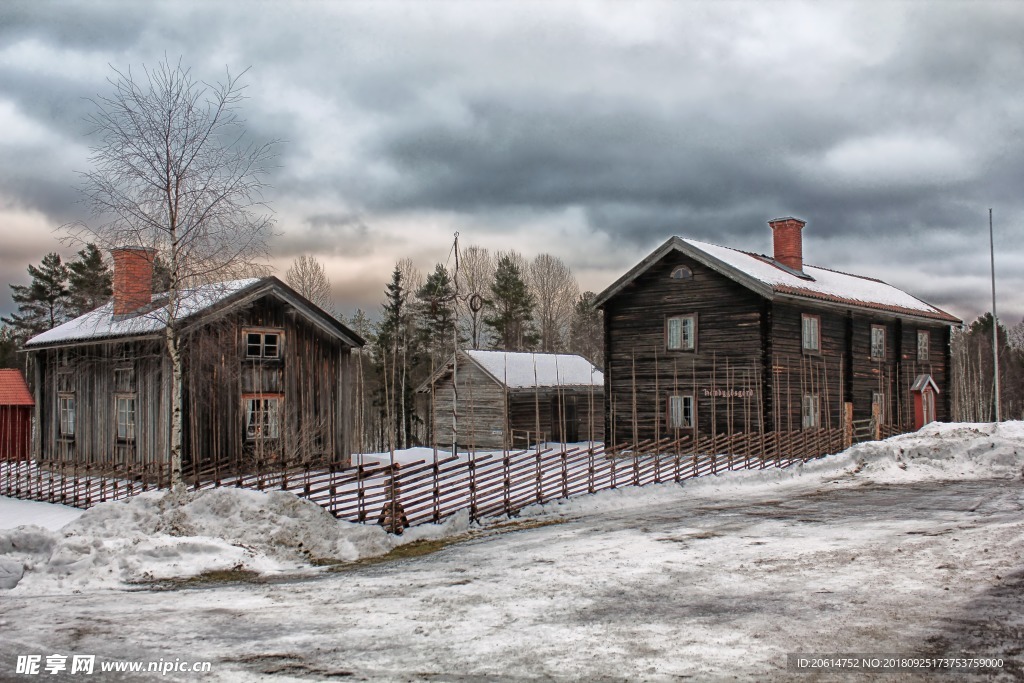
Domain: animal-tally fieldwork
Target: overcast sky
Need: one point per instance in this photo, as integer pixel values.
(589, 131)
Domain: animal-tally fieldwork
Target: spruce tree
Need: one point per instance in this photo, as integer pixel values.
(436, 315)
(42, 305)
(90, 281)
(510, 309)
(395, 354)
(161, 275)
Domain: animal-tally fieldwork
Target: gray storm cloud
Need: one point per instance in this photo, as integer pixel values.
(890, 128)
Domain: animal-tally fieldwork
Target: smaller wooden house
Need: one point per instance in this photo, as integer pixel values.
(503, 399)
(16, 406)
(266, 378)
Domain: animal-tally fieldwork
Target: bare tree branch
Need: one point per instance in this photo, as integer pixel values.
(173, 170)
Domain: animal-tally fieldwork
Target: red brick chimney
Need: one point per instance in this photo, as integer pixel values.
(133, 279)
(788, 242)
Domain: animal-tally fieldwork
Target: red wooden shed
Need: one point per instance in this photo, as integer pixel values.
(16, 406)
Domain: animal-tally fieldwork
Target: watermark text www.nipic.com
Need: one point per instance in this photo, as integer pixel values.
(881, 663)
(87, 664)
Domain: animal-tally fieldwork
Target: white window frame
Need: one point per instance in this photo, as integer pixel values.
(811, 411)
(66, 412)
(262, 417)
(125, 417)
(810, 333)
(259, 348)
(675, 336)
(878, 398)
(878, 349)
(924, 350)
(678, 407)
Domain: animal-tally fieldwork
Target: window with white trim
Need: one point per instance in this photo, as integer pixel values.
(811, 333)
(811, 414)
(262, 417)
(66, 408)
(681, 332)
(263, 343)
(923, 344)
(124, 409)
(681, 411)
(878, 342)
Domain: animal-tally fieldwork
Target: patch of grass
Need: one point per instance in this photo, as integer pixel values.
(210, 578)
(428, 546)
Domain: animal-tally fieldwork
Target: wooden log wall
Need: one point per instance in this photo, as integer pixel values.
(482, 420)
(308, 377)
(640, 372)
(746, 342)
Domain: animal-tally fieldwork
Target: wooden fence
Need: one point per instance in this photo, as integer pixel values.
(397, 495)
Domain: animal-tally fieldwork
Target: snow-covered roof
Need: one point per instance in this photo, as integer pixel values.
(529, 370)
(763, 275)
(102, 323)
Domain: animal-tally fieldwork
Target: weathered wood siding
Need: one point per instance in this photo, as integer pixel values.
(749, 371)
(482, 413)
(568, 414)
(307, 375)
(90, 374)
(724, 372)
(937, 365)
(491, 417)
(797, 372)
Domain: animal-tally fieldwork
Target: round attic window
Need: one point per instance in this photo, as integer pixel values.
(682, 273)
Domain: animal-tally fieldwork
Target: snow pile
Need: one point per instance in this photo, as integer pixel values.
(944, 451)
(155, 536)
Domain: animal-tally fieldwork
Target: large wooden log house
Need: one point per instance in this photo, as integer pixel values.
(267, 378)
(509, 399)
(705, 338)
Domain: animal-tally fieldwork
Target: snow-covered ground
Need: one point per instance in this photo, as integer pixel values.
(15, 513)
(914, 545)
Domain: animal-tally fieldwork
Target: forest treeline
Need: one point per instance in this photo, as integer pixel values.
(478, 299)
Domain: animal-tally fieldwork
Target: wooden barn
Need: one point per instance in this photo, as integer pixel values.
(700, 337)
(507, 399)
(16, 406)
(267, 378)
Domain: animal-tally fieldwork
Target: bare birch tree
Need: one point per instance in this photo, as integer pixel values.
(476, 272)
(173, 170)
(308, 277)
(555, 291)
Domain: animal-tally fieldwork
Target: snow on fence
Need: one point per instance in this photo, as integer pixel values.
(487, 484)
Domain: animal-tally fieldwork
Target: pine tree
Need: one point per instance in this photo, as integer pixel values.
(395, 354)
(436, 315)
(9, 357)
(42, 305)
(90, 281)
(510, 309)
(161, 275)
